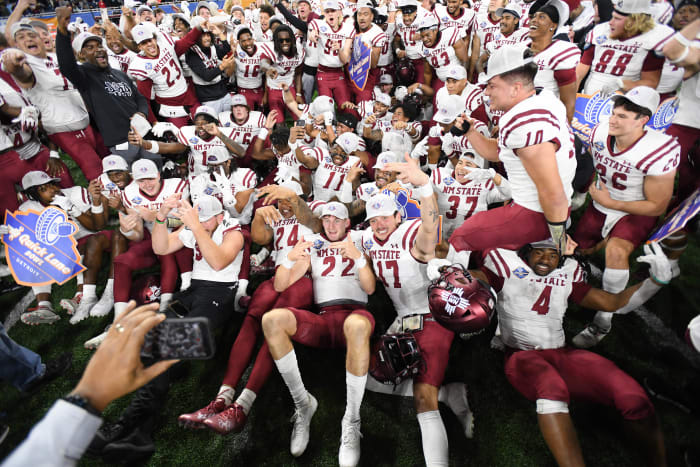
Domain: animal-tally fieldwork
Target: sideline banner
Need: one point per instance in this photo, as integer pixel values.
(678, 218)
(590, 110)
(40, 247)
(358, 68)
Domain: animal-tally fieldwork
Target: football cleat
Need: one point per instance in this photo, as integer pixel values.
(70, 305)
(590, 336)
(459, 404)
(195, 420)
(231, 420)
(349, 453)
(302, 427)
(83, 311)
(94, 343)
(39, 315)
(104, 306)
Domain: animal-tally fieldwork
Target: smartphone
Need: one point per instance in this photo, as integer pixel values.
(181, 339)
(300, 123)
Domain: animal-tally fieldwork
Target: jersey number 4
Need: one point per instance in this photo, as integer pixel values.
(541, 305)
(291, 241)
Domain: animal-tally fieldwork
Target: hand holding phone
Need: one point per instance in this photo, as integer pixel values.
(179, 338)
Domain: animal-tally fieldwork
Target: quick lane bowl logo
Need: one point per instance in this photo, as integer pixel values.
(600, 39)
(598, 107)
(111, 186)
(521, 272)
(211, 159)
(368, 244)
(209, 191)
(426, 53)
(241, 54)
(598, 146)
(329, 160)
(358, 68)
(663, 117)
(40, 247)
(454, 300)
(369, 190)
(149, 66)
(193, 140)
(137, 200)
(318, 244)
(448, 181)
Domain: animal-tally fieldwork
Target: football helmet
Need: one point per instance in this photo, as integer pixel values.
(146, 289)
(405, 72)
(460, 302)
(395, 357)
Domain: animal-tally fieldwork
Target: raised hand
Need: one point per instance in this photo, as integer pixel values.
(660, 267)
(408, 171)
(300, 250)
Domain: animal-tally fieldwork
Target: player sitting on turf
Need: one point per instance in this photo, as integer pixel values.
(636, 169)
(342, 280)
(534, 286)
(87, 210)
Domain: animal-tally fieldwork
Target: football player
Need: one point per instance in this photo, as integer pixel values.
(372, 36)
(283, 62)
(636, 169)
(342, 280)
(486, 27)
(246, 123)
(441, 48)
(407, 43)
(249, 75)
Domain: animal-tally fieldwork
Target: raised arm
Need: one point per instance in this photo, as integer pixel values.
(165, 242)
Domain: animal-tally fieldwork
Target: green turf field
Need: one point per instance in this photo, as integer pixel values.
(506, 431)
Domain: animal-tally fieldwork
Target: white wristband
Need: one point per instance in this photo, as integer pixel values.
(287, 263)
(127, 233)
(54, 155)
(263, 133)
(361, 263)
(99, 209)
(682, 39)
(682, 56)
(155, 148)
(424, 191)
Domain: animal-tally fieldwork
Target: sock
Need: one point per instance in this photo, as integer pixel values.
(242, 287)
(246, 399)
(614, 281)
(109, 287)
(185, 280)
(165, 300)
(434, 439)
(45, 303)
(355, 390)
(79, 279)
(226, 393)
(119, 308)
(289, 369)
(89, 290)
(404, 389)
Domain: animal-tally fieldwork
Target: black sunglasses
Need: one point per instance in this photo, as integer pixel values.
(285, 39)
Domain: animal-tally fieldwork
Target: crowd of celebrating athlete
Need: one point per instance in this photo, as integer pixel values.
(222, 145)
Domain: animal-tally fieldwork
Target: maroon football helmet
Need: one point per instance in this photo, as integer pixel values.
(395, 357)
(405, 72)
(146, 289)
(460, 302)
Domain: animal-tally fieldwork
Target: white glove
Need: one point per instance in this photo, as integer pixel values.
(66, 204)
(4, 229)
(131, 3)
(660, 267)
(241, 292)
(434, 266)
(196, 21)
(447, 141)
(435, 131)
(481, 175)
(421, 149)
(328, 118)
(160, 128)
(28, 118)
(185, 8)
(223, 184)
(611, 87)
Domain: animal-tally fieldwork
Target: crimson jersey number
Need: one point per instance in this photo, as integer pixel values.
(166, 72)
(616, 179)
(291, 240)
(387, 268)
(541, 305)
(618, 68)
(328, 49)
(330, 262)
(330, 179)
(251, 71)
(454, 201)
(435, 60)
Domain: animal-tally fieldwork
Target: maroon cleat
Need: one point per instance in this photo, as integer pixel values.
(231, 420)
(196, 419)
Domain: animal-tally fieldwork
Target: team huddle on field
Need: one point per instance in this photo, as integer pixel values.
(324, 149)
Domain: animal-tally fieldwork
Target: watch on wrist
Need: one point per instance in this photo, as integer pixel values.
(82, 402)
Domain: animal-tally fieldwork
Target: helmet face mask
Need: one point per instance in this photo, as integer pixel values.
(395, 357)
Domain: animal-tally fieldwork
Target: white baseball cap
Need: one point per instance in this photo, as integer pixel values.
(428, 21)
(507, 59)
(457, 72)
(144, 168)
(203, 5)
(382, 98)
(217, 155)
(36, 178)
(386, 79)
(643, 96)
(365, 4)
(446, 115)
(206, 110)
(142, 32)
(294, 186)
(384, 158)
(208, 207)
(321, 104)
(22, 25)
(82, 38)
(511, 8)
(331, 5)
(406, 3)
(380, 205)
(143, 8)
(336, 209)
(114, 162)
(239, 99)
(630, 7)
(348, 142)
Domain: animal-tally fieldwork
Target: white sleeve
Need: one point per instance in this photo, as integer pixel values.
(530, 127)
(59, 439)
(187, 238)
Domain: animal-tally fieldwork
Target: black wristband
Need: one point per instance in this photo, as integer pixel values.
(82, 402)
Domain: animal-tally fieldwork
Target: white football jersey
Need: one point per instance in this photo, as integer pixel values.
(248, 75)
(623, 172)
(244, 133)
(25, 143)
(285, 234)
(538, 119)
(62, 109)
(409, 34)
(387, 55)
(109, 188)
(442, 54)
(464, 21)
(557, 57)
(285, 66)
(366, 191)
(311, 49)
(525, 13)
(134, 198)
(469, 99)
(197, 158)
(287, 165)
(688, 103)
(457, 202)
(671, 78)
(336, 279)
(373, 37)
(201, 270)
(405, 278)
(485, 29)
(613, 58)
(531, 308)
(328, 178)
(120, 61)
(241, 179)
(164, 70)
(327, 37)
(499, 39)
